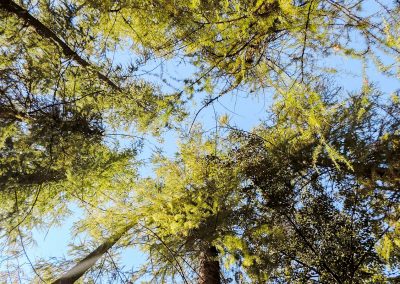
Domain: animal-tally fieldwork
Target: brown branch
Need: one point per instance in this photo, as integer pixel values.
(22, 241)
(362, 21)
(305, 41)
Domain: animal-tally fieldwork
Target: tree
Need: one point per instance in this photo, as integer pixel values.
(57, 110)
(291, 210)
(258, 43)
(58, 104)
(276, 203)
(324, 220)
(310, 195)
(80, 268)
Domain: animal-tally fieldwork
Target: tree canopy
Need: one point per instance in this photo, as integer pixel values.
(309, 195)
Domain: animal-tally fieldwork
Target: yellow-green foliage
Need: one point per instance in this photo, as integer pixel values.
(242, 39)
(189, 190)
(304, 194)
(303, 118)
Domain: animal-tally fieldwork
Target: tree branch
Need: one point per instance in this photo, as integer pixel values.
(85, 264)
(44, 31)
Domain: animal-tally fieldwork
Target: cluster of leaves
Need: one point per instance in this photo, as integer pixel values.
(257, 43)
(187, 207)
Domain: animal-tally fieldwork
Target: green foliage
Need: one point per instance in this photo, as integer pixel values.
(308, 196)
(252, 42)
(188, 206)
(276, 203)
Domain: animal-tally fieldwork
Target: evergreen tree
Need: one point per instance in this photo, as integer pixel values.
(57, 109)
(310, 195)
(279, 204)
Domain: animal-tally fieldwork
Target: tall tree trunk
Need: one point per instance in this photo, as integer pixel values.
(209, 267)
(44, 31)
(85, 264)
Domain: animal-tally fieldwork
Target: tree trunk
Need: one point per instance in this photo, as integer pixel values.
(209, 267)
(85, 264)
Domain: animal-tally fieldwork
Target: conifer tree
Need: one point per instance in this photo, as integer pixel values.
(310, 195)
(279, 204)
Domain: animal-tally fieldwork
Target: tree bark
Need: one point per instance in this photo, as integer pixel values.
(44, 31)
(209, 267)
(85, 264)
